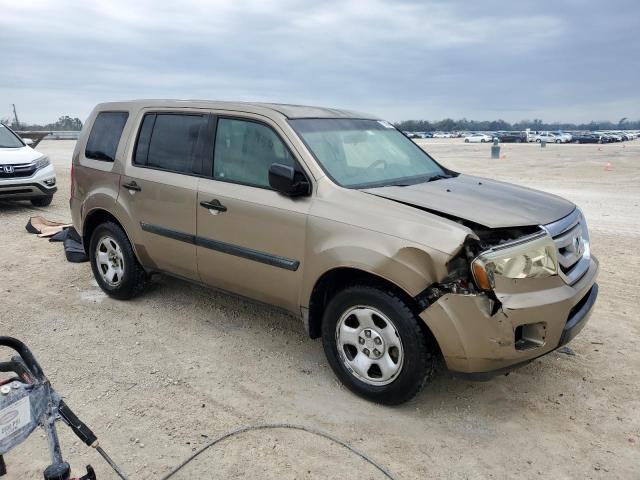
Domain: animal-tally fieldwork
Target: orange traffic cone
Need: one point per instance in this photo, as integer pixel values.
(608, 167)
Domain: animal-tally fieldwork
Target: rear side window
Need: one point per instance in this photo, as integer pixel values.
(245, 150)
(171, 142)
(105, 136)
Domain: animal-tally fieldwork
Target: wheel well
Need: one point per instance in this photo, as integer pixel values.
(92, 221)
(339, 278)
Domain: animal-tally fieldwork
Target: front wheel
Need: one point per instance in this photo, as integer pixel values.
(114, 263)
(374, 344)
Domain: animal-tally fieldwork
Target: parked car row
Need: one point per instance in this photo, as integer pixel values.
(557, 136)
(585, 137)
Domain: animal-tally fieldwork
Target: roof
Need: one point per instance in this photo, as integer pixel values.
(286, 110)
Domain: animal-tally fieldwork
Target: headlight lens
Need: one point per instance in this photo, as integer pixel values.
(535, 258)
(42, 162)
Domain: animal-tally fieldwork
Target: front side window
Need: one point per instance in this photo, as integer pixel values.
(365, 153)
(105, 136)
(244, 151)
(8, 139)
(170, 142)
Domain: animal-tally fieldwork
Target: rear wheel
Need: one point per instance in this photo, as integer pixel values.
(42, 201)
(114, 263)
(375, 345)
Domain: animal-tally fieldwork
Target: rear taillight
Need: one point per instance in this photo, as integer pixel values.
(73, 182)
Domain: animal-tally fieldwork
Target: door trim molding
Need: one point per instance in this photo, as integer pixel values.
(223, 247)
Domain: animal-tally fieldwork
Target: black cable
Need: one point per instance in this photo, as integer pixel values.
(268, 426)
(111, 463)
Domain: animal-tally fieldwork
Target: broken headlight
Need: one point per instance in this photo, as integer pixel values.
(531, 257)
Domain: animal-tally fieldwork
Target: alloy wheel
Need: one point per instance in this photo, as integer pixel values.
(110, 261)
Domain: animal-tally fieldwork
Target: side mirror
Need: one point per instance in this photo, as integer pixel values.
(283, 179)
(27, 141)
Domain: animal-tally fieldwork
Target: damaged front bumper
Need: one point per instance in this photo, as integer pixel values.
(480, 338)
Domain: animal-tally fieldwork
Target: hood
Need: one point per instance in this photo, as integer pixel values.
(489, 203)
(18, 155)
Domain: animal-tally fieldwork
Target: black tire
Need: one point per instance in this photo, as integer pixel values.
(539, 141)
(42, 201)
(134, 278)
(466, 140)
(482, 140)
(558, 141)
(419, 360)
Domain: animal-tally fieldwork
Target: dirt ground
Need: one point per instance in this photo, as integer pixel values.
(157, 376)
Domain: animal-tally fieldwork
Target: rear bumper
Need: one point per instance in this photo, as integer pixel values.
(478, 342)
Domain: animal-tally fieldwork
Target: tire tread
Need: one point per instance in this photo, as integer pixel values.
(138, 281)
(427, 360)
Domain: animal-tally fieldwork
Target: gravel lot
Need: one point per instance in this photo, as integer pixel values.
(154, 376)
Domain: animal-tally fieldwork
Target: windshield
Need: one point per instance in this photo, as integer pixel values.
(8, 139)
(365, 153)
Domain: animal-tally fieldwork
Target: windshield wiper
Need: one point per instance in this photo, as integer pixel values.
(439, 176)
(415, 181)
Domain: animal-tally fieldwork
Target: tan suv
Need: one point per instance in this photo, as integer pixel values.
(337, 217)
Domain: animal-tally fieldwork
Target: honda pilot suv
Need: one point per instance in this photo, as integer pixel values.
(391, 258)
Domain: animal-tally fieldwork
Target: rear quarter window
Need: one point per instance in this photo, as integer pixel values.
(105, 136)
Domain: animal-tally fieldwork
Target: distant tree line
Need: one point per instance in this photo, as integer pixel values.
(450, 125)
(63, 123)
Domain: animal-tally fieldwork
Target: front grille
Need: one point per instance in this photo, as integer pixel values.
(17, 171)
(571, 237)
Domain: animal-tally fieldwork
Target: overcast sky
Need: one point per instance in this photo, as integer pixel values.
(560, 60)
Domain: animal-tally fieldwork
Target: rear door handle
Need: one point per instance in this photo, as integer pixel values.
(133, 186)
(214, 205)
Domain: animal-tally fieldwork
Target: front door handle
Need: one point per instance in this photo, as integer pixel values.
(214, 205)
(133, 187)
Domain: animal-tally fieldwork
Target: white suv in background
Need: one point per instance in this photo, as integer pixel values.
(547, 138)
(24, 172)
(565, 137)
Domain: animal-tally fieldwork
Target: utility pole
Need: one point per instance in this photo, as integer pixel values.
(15, 116)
